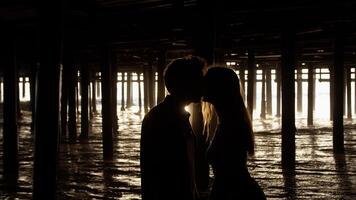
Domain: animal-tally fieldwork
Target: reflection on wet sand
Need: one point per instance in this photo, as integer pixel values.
(319, 174)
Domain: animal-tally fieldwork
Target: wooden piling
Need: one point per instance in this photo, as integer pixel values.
(129, 90)
(115, 118)
(122, 91)
(288, 98)
(10, 134)
(139, 92)
(93, 103)
(269, 90)
(278, 90)
(47, 118)
(84, 85)
(160, 69)
(299, 89)
(348, 88)
(72, 82)
(146, 90)
(106, 101)
(338, 80)
(310, 94)
(64, 101)
(263, 92)
(251, 81)
(242, 81)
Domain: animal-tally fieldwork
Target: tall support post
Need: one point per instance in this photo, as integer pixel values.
(114, 66)
(33, 91)
(332, 92)
(93, 100)
(355, 89)
(47, 117)
(23, 86)
(84, 86)
(263, 99)
(278, 90)
(139, 92)
(310, 94)
(251, 81)
(129, 91)
(242, 81)
(106, 101)
(348, 88)
(1, 81)
(90, 106)
(146, 90)
(122, 91)
(338, 80)
(77, 93)
(10, 134)
(160, 69)
(72, 113)
(152, 88)
(299, 89)
(269, 90)
(18, 104)
(64, 101)
(288, 98)
(98, 85)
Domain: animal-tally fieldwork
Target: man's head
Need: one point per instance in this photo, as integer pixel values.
(184, 78)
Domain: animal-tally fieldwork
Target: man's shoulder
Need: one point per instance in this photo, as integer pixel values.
(156, 113)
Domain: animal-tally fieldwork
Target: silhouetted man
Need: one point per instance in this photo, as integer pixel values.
(167, 139)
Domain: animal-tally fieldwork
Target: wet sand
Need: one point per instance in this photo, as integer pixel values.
(319, 174)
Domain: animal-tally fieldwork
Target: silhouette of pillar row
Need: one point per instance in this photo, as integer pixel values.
(47, 118)
(160, 81)
(310, 94)
(84, 90)
(10, 135)
(107, 114)
(72, 82)
(338, 97)
(251, 81)
(269, 91)
(288, 98)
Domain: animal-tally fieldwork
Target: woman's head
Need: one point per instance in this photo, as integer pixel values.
(221, 86)
(222, 91)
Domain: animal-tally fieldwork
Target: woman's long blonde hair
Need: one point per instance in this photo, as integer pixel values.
(226, 78)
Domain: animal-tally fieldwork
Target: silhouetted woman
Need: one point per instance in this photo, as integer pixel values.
(233, 138)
